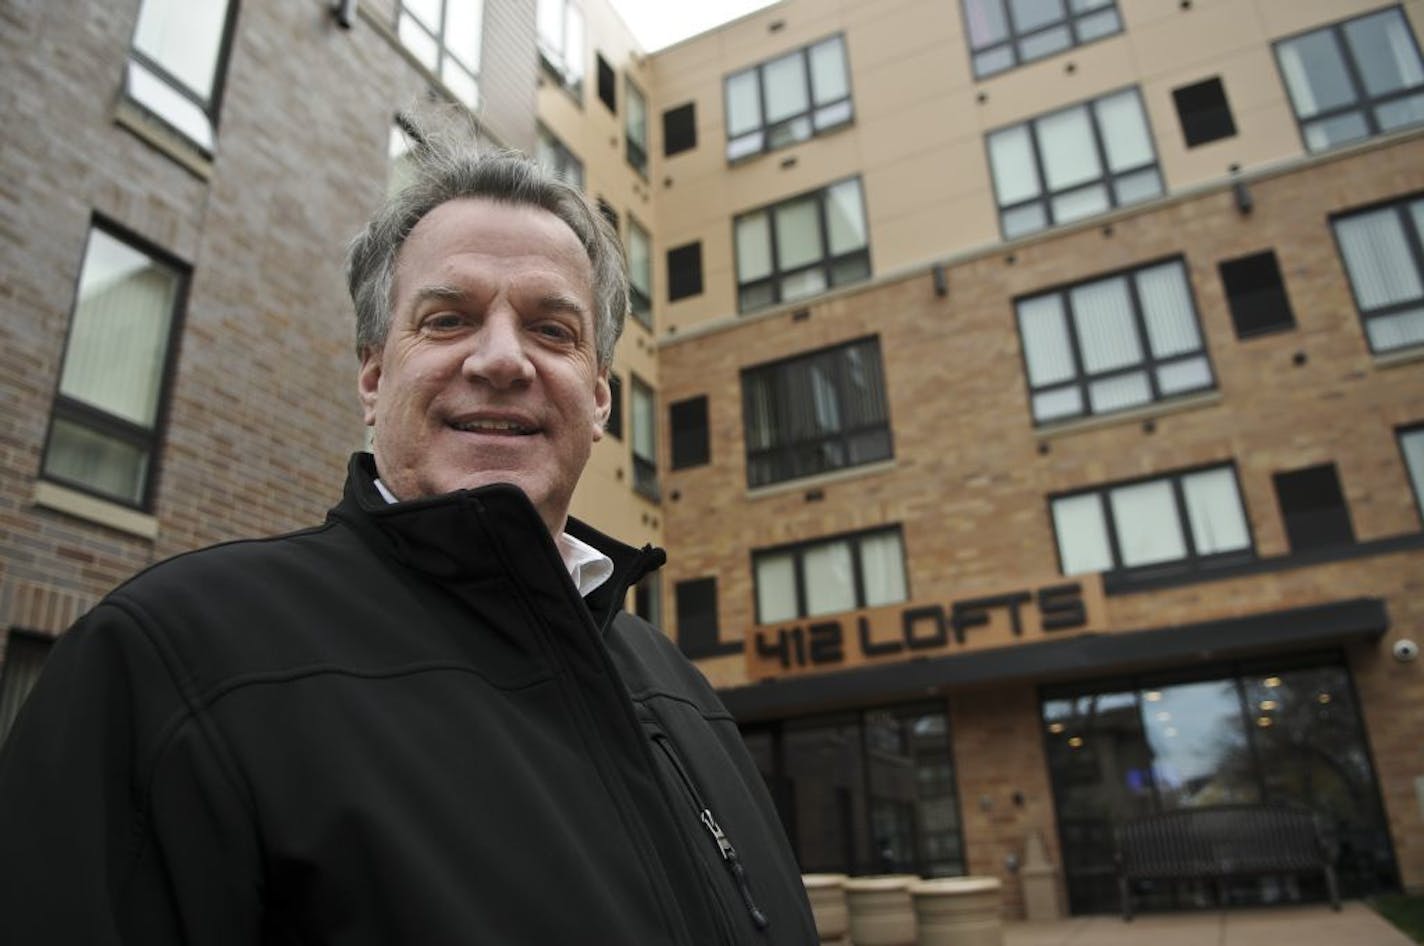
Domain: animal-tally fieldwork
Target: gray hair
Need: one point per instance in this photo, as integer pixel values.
(449, 166)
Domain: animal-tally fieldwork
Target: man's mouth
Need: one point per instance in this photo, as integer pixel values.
(509, 428)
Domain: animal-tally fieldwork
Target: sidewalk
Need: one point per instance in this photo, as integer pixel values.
(1355, 925)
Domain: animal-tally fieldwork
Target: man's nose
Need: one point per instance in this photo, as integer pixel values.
(497, 355)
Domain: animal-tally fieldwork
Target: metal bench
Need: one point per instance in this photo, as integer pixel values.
(1221, 841)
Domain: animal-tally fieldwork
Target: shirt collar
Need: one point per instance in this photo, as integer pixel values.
(587, 566)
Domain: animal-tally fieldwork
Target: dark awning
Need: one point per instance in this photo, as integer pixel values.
(1094, 653)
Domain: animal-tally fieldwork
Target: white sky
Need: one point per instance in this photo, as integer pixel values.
(659, 23)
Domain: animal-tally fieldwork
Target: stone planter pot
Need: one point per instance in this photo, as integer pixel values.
(958, 911)
(828, 905)
(881, 911)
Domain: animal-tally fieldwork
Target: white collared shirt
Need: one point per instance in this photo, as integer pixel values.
(587, 566)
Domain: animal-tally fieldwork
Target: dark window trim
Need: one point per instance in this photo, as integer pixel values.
(212, 106)
(826, 263)
(1400, 433)
(63, 407)
(1148, 364)
(676, 290)
(1015, 37)
(1362, 104)
(603, 66)
(1108, 178)
(669, 140)
(798, 549)
(563, 152)
(562, 74)
(645, 469)
(636, 152)
(872, 342)
(1412, 240)
(701, 455)
(640, 302)
(811, 109)
(1202, 126)
(1200, 567)
(614, 425)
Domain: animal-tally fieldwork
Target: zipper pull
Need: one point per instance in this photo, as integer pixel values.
(739, 874)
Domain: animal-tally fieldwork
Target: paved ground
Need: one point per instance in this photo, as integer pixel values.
(1355, 925)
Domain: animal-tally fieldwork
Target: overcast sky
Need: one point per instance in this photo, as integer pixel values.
(659, 23)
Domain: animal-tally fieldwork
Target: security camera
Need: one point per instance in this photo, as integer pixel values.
(1405, 650)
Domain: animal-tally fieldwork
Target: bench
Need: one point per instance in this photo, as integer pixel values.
(1220, 841)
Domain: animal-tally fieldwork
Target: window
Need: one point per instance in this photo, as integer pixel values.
(614, 426)
(802, 246)
(561, 39)
(635, 129)
(1256, 294)
(1186, 518)
(103, 435)
(1007, 33)
(679, 129)
(648, 599)
(1112, 344)
(1411, 444)
(445, 36)
(556, 158)
(640, 273)
(788, 99)
(1385, 261)
(815, 413)
(690, 433)
(697, 630)
(607, 83)
(645, 440)
(684, 265)
(1073, 163)
(1313, 508)
(177, 63)
(1354, 79)
(1203, 111)
(24, 657)
(828, 576)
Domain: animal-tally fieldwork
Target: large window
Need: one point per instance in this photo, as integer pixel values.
(1073, 163)
(176, 66)
(1279, 732)
(635, 128)
(561, 43)
(870, 792)
(445, 35)
(1007, 33)
(1170, 522)
(1354, 79)
(555, 157)
(640, 273)
(1112, 344)
(802, 246)
(815, 413)
(788, 99)
(828, 576)
(1383, 249)
(103, 435)
(645, 439)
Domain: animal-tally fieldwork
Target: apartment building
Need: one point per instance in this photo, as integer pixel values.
(1028, 392)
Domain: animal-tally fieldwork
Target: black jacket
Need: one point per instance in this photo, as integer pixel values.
(401, 727)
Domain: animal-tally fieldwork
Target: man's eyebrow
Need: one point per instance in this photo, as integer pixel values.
(439, 293)
(562, 302)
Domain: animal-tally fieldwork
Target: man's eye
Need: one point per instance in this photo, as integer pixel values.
(555, 331)
(443, 322)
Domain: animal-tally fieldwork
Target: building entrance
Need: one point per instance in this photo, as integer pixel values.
(1276, 732)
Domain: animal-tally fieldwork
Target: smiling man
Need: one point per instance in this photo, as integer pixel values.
(427, 720)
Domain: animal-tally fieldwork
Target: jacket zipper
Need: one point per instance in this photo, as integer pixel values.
(728, 853)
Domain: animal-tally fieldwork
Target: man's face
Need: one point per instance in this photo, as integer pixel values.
(489, 373)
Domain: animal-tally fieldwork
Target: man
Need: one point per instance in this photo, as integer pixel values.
(427, 720)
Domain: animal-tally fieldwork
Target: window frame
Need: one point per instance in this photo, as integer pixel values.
(635, 147)
(550, 144)
(613, 426)
(780, 400)
(798, 549)
(690, 443)
(826, 263)
(1203, 125)
(1148, 365)
(211, 106)
(674, 140)
(1107, 179)
(1191, 562)
(1362, 103)
(680, 273)
(640, 298)
(645, 468)
(556, 62)
(765, 129)
(444, 52)
(1415, 477)
(1231, 273)
(1414, 244)
(1014, 37)
(89, 417)
(607, 81)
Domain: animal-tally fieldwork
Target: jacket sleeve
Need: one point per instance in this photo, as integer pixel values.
(120, 822)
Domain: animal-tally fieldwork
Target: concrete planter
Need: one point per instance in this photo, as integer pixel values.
(881, 911)
(828, 905)
(958, 911)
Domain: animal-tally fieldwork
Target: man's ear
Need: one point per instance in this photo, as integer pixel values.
(368, 384)
(602, 403)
